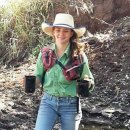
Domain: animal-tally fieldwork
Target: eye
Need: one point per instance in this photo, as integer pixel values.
(67, 31)
(57, 30)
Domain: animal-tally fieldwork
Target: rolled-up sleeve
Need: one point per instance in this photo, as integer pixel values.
(86, 71)
(39, 71)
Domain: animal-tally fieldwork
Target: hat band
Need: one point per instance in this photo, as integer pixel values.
(63, 25)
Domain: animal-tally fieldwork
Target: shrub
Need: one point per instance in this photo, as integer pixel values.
(20, 29)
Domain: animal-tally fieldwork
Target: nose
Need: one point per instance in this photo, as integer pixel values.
(61, 33)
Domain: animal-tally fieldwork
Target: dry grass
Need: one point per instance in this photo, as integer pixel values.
(20, 26)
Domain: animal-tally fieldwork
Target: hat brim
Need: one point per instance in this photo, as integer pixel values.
(48, 29)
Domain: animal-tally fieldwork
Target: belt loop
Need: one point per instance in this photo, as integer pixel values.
(77, 100)
(68, 99)
(51, 97)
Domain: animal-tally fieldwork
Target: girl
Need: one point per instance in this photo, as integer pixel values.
(59, 100)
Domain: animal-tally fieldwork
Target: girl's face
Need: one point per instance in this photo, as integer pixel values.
(62, 35)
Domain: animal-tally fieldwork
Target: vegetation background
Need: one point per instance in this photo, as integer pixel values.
(20, 27)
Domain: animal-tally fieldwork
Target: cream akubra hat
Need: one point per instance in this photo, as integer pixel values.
(63, 20)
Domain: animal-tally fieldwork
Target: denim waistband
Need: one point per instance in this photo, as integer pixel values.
(52, 97)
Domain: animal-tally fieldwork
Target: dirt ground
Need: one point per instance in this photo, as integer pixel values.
(108, 105)
(109, 55)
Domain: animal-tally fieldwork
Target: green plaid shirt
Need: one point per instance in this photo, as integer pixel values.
(54, 80)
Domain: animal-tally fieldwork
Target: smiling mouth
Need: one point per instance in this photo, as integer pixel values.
(61, 38)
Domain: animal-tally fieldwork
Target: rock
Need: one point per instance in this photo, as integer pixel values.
(111, 10)
(99, 15)
(110, 64)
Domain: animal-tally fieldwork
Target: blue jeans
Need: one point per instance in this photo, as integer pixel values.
(62, 108)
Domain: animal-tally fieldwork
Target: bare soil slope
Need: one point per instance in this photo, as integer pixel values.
(109, 57)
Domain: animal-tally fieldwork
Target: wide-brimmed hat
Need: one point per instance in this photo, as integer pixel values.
(63, 20)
